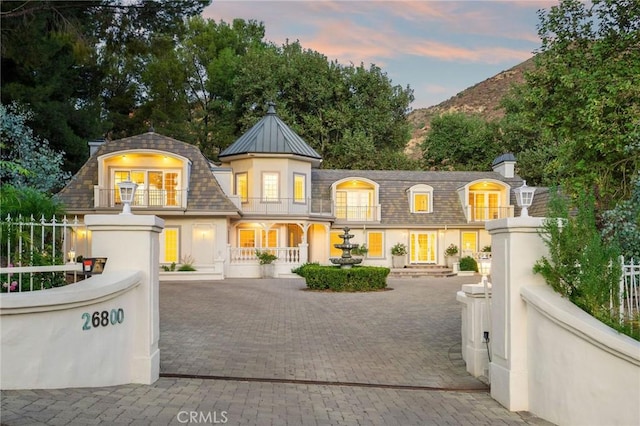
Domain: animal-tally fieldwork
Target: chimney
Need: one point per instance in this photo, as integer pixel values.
(94, 145)
(505, 165)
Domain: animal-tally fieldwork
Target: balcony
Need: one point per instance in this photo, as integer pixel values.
(483, 214)
(364, 213)
(150, 198)
(285, 206)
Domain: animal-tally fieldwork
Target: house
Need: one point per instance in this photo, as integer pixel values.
(269, 192)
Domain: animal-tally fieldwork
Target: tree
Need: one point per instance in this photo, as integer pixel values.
(457, 141)
(28, 161)
(329, 105)
(76, 63)
(579, 107)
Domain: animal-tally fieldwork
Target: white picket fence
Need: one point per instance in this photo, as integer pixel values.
(38, 254)
(629, 293)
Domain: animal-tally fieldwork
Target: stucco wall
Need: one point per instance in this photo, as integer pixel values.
(48, 339)
(580, 371)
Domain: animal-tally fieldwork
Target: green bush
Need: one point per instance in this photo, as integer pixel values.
(334, 278)
(580, 265)
(468, 263)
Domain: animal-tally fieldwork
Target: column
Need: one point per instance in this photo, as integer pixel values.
(516, 246)
(131, 242)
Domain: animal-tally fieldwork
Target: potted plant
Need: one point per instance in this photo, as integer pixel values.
(399, 253)
(266, 258)
(468, 266)
(451, 254)
(360, 251)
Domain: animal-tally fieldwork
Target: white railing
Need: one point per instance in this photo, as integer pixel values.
(629, 293)
(483, 214)
(285, 206)
(40, 254)
(248, 254)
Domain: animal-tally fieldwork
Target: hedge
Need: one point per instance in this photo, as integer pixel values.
(334, 278)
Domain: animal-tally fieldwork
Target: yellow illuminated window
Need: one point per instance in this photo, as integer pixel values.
(421, 203)
(171, 245)
(242, 187)
(335, 239)
(272, 240)
(246, 238)
(469, 241)
(299, 188)
(375, 244)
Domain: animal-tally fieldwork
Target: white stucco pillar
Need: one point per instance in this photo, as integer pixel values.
(131, 242)
(515, 246)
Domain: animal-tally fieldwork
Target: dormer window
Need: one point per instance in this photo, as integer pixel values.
(421, 199)
(155, 187)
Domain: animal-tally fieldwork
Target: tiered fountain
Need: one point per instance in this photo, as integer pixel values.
(346, 260)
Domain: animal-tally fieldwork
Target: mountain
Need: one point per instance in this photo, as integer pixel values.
(482, 99)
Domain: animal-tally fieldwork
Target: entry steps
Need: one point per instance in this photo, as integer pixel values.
(418, 271)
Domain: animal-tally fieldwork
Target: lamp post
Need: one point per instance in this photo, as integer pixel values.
(127, 191)
(484, 267)
(524, 198)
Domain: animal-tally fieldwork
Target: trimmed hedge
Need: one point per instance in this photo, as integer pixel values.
(334, 278)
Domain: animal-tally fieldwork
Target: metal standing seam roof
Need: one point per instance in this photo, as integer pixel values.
(205, 194)
(270, 136)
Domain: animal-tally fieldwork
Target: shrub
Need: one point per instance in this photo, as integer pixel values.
(334, 278)
(468, 263)
(580, 265)
(360, 250)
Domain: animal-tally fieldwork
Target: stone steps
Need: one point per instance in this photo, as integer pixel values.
(418, 271)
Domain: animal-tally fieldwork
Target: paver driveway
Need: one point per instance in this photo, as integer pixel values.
(269, 353)
(274, 329)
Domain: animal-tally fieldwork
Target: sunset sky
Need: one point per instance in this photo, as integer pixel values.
(439, 48)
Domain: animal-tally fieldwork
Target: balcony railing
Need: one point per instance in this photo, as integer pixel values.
(151, 198)
(483, 214)
(285, 206)
(357, 213)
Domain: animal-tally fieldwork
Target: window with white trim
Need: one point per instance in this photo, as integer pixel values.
(155, 187)
(375, 244)
(242, 186)
(299, 188)
(170, 245)
(270, 186)
(421, 198)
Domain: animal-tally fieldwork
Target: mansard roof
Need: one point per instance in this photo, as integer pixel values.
(205, 194)
(270, 136)
(393, 193)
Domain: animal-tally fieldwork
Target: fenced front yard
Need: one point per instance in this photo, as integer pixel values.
(629, 296)
(40, 254)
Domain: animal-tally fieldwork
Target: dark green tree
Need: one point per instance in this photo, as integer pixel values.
(75, 63)
(458, 141)
(577, 114)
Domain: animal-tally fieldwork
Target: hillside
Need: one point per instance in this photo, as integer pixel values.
(482, 99)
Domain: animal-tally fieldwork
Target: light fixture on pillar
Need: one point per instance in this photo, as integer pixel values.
(484, 266)
(127, 192)
(71, 255)
(524, 198)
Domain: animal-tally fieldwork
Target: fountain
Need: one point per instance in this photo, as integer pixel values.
(346, 260)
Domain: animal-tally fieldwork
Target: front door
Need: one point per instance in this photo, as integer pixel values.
(423, 247)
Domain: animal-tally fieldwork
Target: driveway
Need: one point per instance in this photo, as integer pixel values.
(267, 352)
